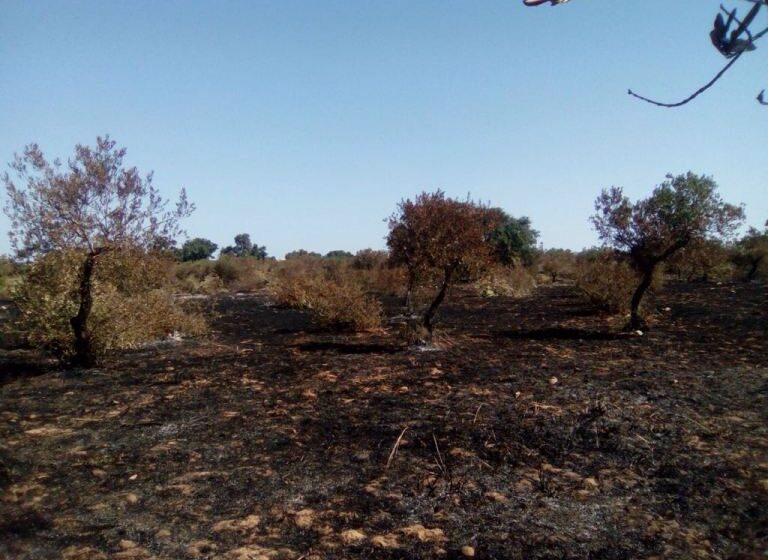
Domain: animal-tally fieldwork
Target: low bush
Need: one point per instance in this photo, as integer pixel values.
(510, 281)
(702, 261)
(607, 281)
(334, 296)
(133, 302)
(556, 264)
(226, 273)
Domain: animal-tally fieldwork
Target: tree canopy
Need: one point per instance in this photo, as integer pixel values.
(244, 247)
(198, 249)
(680, 210)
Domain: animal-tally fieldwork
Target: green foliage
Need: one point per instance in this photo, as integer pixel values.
(338, 254)
(683, 209)
(302, 254)
(513, 239)
(198, 249)
(244, 247)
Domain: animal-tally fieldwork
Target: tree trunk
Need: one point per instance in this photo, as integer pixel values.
(409, 293)
(84, 354)
(635, 320)
(753, 270)
(429, 316)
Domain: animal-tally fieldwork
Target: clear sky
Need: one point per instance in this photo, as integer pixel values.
(303, 123)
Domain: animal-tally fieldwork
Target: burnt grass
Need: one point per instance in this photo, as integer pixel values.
(538, 431)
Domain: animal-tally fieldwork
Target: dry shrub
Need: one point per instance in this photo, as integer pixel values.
(702, 260)
(227, 273)
(334, 296)
(243, 274)
(132, 302)
(556, 264)
(606, 281)
(509, 281)
(369, 259)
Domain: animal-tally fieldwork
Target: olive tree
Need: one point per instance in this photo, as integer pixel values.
(198, 249)
(751, 251)
(437, 235)
(244, 247)
(682, 209)
(90, 206)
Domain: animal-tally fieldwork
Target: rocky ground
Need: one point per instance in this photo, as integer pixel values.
(538, 431)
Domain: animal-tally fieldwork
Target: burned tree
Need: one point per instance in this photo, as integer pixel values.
(93, 205)
(437, 236)
(684, 208)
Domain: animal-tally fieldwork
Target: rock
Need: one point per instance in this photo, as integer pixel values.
(523, 485)
(553, 380)
(468, 551)
(423, 534)
(385, 541)
(496, 496)
(304, 518)
(126, 544)
(82, 553)
(99, 473)
(198, 549)
(132, 498)
(591, 483)
(244, 524)
(352, 536)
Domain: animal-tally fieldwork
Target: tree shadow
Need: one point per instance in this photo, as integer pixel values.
(347, 348)
(559, 333)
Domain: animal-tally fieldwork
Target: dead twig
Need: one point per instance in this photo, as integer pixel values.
(396, 447)
(474, 420)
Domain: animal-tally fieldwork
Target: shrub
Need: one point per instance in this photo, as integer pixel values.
(510, 281)
(702, 260)
(368, 259)
(132, 302)
(557, 264)
(608, 282)
(333, 295)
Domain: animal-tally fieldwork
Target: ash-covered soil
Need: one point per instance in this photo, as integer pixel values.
(538, 431)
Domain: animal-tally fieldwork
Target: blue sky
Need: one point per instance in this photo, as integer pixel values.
(303, 123)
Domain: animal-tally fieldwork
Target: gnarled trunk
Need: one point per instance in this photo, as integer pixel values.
(635, 320)
(429, 315)
(84, 354)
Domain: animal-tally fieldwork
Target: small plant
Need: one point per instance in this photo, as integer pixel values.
(334, 296)
(557, 264)
(509, 281)
(606, 280)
